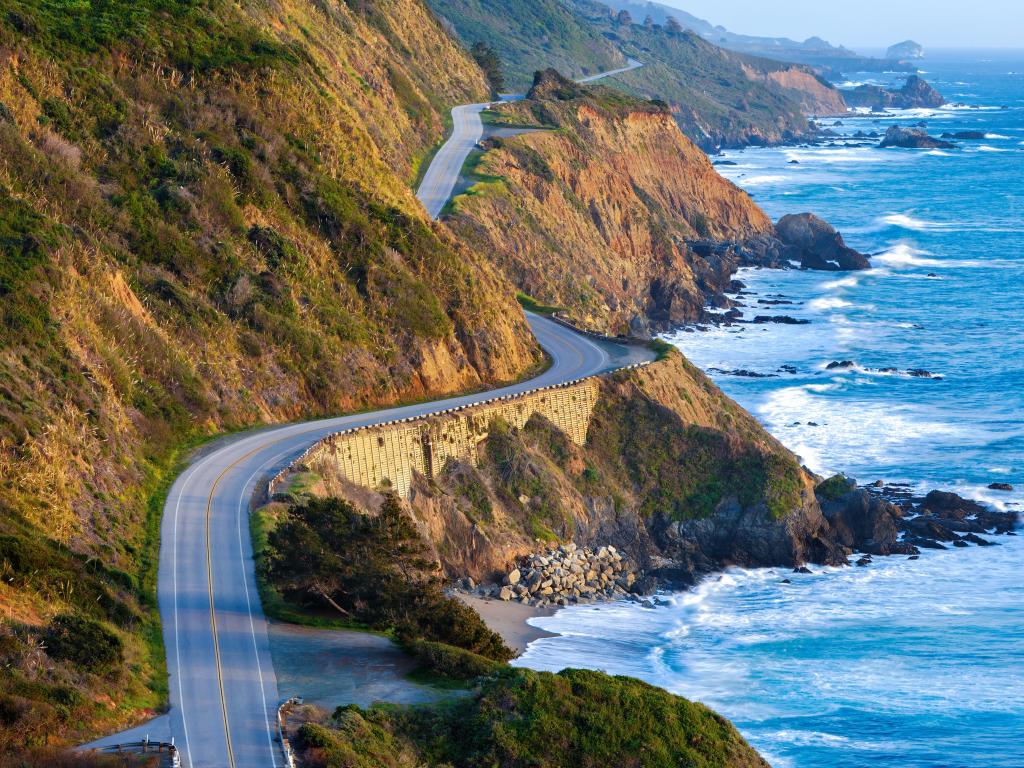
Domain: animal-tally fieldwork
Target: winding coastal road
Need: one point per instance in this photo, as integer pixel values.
(441, 177)
(223, 690)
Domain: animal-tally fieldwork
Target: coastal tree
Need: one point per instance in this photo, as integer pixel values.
(674, 27)
(624, 19)
(489, 62)
(375, 570)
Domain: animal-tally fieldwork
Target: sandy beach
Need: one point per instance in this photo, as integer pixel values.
(508, 619)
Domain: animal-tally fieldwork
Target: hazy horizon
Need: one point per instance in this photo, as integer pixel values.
(870, 23)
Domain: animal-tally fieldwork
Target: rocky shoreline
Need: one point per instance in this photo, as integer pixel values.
(878, 520)
(563, 575)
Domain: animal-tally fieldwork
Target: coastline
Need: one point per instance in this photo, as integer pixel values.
(839, 667)
(510, 620)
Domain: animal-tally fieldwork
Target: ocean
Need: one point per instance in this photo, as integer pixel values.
(910, 663)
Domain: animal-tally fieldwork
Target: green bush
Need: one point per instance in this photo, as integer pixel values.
(525, 719)
(834, 488)
(372, 569)
(449, 661)
(83, 642)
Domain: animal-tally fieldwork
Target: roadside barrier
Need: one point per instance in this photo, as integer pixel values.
(286, 747)
(167, 751)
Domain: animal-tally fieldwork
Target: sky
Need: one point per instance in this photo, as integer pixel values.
(871, 23)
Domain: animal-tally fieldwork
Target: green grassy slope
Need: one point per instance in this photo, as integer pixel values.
(529, 35)
(523, 719)
(205, 223)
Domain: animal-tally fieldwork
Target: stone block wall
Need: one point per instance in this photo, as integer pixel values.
(386, 456)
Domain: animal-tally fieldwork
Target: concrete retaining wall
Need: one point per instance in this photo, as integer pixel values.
(387, 455)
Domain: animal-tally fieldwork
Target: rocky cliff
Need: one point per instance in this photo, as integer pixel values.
(596, 215)
(719, 97)
(815, 95)
(915, 93)
(673, 474)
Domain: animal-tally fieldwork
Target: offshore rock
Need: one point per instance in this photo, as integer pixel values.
(908, 49)
(915, 94)
(912, 138)
(865, 522)
(817, 244)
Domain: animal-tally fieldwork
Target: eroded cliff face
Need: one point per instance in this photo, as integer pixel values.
(673, 473)
(814, 96)
(596, 215)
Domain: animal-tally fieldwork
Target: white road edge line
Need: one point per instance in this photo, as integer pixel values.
(174, 589)
(248, 604)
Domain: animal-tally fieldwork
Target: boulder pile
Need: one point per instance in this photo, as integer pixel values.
(568, 574)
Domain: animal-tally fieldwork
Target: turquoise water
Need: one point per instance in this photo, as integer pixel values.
(903, 663)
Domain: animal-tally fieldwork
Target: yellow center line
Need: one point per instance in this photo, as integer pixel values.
(209, 568)
(209, 581)
(209, 585)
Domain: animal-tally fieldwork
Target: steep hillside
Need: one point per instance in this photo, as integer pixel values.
(719, 97)
(205, 223)
(814, 94)
(529, 35)
(595, 216)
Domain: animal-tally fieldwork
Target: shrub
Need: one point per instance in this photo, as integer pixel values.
(450, 661)
(375, 570)
(526, 719)
(834, 488)
(83, 642)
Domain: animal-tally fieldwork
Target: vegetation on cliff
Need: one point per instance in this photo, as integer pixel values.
(529, 35)
(519, 719)
(206, 223)
(595, 215)
(714, 99)
(672, 470)
(372, 569)
(717, 96)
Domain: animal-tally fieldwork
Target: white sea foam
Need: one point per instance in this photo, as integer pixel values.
(937, 153)
(967, 108)
(903, 255)
(995, 136)
(906, 221)
(845, 282)
(987, 148)
(829, 302)
(835, 155)
(754, 181)
(851, 429)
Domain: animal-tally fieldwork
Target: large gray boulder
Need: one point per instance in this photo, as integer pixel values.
(817, 244)
(912, 138)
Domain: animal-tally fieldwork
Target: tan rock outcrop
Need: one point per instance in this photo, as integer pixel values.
(595, 216)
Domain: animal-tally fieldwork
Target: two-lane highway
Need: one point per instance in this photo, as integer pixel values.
(223, 691)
